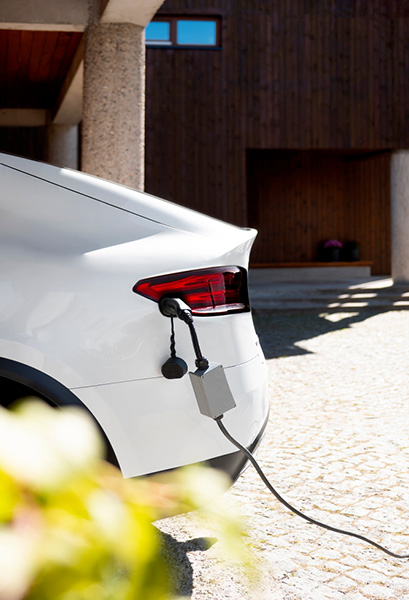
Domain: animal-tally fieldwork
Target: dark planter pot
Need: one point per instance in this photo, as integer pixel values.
(353, 254)
(332, 254)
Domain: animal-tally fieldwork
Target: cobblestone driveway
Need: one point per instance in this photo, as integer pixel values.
(337, 447)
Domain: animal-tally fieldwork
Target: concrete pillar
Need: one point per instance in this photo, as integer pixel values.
(400, 215)
(62, 146)
(113, 126)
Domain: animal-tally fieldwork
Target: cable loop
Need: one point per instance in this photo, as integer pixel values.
(172, 338)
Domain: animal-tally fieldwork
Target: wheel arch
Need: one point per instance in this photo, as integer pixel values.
(52, 390)
(39, 382)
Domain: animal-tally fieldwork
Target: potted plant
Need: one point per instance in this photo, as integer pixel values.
(352, 250)
(332, 250)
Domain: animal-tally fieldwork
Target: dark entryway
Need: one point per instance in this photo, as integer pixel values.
(298, 199)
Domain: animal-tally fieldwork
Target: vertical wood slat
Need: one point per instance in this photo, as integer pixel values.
(389, 116)
(26, 43)
(306, 79)
(3, 60)
(37, 50)
(13, 66)
(275, 83)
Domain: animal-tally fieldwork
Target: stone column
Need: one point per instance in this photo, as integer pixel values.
(400, 215)
(113, 126)
(62, 146)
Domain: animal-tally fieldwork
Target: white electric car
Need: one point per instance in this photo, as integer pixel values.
(84, 264)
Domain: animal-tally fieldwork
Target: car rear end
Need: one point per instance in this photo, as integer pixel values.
(154, 423)
(99, 261)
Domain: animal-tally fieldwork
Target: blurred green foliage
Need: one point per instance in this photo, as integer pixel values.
(71, 528)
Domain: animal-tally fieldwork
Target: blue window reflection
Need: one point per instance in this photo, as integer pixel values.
(158, 31)
(196, 33)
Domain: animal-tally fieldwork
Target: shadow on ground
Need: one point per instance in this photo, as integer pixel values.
(176, 556)
(280, 331)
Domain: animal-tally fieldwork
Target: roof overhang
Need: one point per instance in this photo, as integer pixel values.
(66, 16)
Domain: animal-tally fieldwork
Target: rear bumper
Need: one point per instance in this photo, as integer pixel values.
(231, 464)
(155, 424)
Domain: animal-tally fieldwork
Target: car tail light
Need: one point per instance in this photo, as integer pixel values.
(213, 291)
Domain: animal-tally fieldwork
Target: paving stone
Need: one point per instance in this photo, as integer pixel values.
(378, 592)
(365, 575)
(343, 584)
(327, 554)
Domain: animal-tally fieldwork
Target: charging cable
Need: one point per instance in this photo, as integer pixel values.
(255, 464)
(174, 307)
(214, 398)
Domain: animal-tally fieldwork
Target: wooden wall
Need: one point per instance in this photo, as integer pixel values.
(293, 74)
(299, 74)
(299, 199)
(30, 142)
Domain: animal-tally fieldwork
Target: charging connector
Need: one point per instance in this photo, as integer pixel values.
(175, 307)
(209, 381)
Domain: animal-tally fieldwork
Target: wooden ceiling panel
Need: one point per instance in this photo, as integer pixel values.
(33, 66)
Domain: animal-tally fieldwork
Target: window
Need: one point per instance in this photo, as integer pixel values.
(196, 33)
(185, 32)
(158, 32)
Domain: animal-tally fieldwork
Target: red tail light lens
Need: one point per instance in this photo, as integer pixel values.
(214, 291)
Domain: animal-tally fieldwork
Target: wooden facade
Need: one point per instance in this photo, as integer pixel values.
(291, 75)
(30, 142)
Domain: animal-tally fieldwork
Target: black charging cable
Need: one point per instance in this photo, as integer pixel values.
(174, 307)
(255, 464)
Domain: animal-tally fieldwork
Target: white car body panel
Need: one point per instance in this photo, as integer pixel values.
(72, 248)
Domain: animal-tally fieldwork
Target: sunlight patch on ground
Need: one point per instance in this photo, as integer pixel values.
(335, 317)
(348, 304)
(344, 296)
(373, 284)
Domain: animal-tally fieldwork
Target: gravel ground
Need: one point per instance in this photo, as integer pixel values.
(337, 447)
